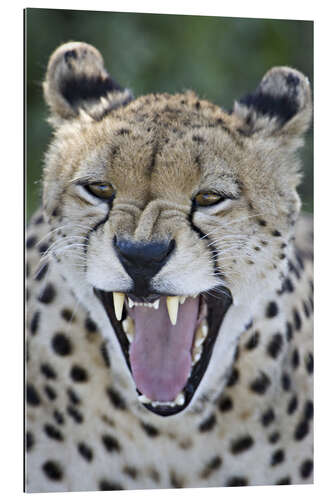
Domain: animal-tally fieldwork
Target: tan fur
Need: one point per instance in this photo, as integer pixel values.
(158, 152)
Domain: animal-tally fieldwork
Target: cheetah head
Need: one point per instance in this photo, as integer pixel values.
(170, 217)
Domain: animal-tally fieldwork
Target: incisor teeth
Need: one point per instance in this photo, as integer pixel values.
(118, 301)
(130, 303)
(172, 305)
(182, 299)
(156, 304)
(143, 399)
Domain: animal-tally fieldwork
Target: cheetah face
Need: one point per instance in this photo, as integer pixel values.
(168, 212)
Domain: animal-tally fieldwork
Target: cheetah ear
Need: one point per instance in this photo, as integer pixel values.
(77, 84)
(280, 105)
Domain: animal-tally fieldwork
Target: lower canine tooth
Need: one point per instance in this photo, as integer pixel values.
(118, 301)
(180, 399)
(156, 304)
(172, 306)
(128, 325)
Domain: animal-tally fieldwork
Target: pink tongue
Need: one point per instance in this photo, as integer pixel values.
(160, 354)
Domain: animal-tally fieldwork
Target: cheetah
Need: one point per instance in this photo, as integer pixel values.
(169, 288)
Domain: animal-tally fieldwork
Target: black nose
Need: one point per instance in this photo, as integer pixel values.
(143, 260)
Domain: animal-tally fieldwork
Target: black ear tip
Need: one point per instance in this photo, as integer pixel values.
(282, 93)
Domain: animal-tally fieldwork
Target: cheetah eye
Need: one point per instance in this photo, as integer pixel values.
(207, 199)
(102, 190)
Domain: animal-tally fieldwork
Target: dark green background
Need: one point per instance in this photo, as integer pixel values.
(220, 58)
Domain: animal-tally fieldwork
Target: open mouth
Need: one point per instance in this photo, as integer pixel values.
(167, 342)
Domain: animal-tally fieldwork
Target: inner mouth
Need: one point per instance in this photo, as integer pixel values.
(167, 342)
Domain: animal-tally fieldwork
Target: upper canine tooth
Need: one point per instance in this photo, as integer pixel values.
(172, 305)
(118, 301)
(156, 304)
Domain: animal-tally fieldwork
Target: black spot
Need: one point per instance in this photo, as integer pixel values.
(289, 332)
(130, 471)
(79, 374)
(198, 138)
(61, 344)
(55, 212)
(29, 441)
(35, 322)
(47, 295)
(306, 309)
(90, 325)
(53, 470)
(111, 443)
(295, 359)
(276, 233)
(116, 399)
(68, 315)
(150, 430)
(260, 384)
(292, 405)
(233, 377)
(272, 310)
(175, 480)
(308, 410)
(73, 397)
(237, 481)
(105, 485)
(41, 272)
(75, 414)
(58, 417)
(285, 381)
(52, 432)
(208, 423)
(275, 345)
(31, 241)
(268, 417)
(262, 222)
(122, 131)
(274, 437)
(277, 457)
(225, 404)
(283, 480)
(213, 465)
(43, 248)
(39, 220)
(33, 398)
(309, 363)
(85, 451)
(70, 54)
(105, 355)
(288, 285)
(297, 320)
(253, 341)
(241, 444)
(302, 430)
(50, 392)
(48, 371)
(306, 469)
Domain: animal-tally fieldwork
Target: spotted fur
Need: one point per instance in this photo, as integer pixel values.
(250, 422)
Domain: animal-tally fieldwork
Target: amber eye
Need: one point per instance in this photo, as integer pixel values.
(208, 199)
(102, 190)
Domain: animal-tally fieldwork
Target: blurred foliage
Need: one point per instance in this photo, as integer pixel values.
(220, 58)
